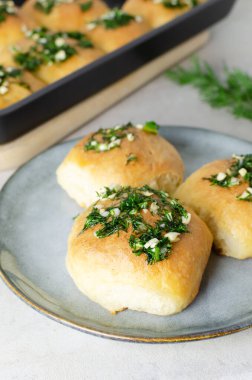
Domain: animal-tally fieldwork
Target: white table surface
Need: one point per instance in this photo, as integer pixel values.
(33, 347)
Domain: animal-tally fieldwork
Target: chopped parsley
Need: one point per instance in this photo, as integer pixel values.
(131, 157)
(86, 6)
(46, 6)
(7, 8)
(106, 139)
(113, 19)
(125, 210)
(151, 127)
(177, 4)
(50, 48)
(10, 75)
(239, 172)
(173, 4)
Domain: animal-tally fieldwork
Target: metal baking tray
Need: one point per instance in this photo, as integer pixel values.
(55, 98)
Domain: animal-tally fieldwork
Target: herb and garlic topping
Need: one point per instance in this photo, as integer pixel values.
(113, 19)
(106, 139)
(173, 4)
(7, 8)
(155, 221)
(50, 47)
(46, 6)
(239, 172)
(10, 75)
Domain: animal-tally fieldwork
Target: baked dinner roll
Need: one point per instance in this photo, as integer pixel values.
(221, 194)
(115, 29)
(137, 248)
(51, 56)
(15, 85)
(123, 155)
(10, 24)
(159, 12)
(64, 15)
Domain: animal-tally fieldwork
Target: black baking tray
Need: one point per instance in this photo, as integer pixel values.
(55, 98)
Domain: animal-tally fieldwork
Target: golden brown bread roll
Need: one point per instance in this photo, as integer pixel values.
(228, 216)
(15, 85)
(158, 12)
(123, 155)
(51, 56)
(58, 15)
(124, 252)
(115, 29)
(10, 24)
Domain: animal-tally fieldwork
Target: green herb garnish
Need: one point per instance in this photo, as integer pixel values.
(50, 48)
(126, 212)
(239, 172)
(7, 8)
(86, 6)
(151, 127)
(45, 6)
(131, 157)
(10, 75)
(234, 92)
(106, 139)
(178, 3)
(113, 19)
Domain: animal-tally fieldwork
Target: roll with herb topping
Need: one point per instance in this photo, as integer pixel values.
(124, 155)
(58, 15)
(115, 29)
(221, 194)
(51, 56)
(138, 249)
(159, 12)
(10, 24)
(15, 85)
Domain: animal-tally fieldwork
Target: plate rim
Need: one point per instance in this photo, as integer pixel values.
(210, 334)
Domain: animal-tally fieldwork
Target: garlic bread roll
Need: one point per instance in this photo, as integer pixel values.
(123, 155)
(51, 56)
(157, 13)
(52, 73)
(115, 29)
(16, 85)
(226, 210)
(144, 268)
(64, 15)
(10, 24)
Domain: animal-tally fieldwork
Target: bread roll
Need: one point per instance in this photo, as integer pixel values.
(15, 85)
(10, 24)
(155, 12)
(52, 73)
(115, 29)
(135, 158)
(52, 56)
(228, 217)
(156, 273)
(61, 15)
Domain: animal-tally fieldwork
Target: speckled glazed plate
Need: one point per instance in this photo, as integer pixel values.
(36, 217)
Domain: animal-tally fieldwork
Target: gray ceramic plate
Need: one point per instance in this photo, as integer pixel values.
(35, 219)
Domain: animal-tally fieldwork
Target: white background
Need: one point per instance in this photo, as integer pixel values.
(33, 347)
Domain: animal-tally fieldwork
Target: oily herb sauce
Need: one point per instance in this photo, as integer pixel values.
(127, 211)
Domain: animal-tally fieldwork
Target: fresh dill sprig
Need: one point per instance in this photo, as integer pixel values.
(233, 92)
